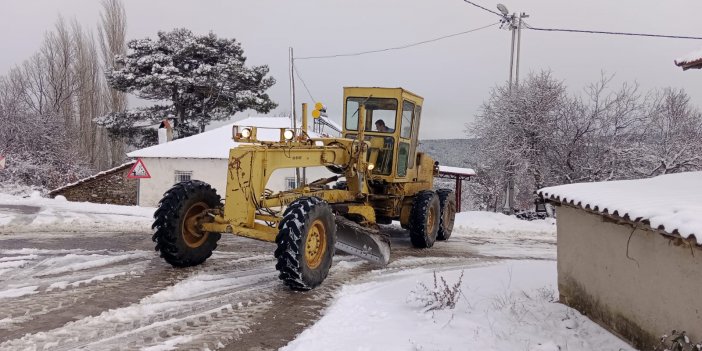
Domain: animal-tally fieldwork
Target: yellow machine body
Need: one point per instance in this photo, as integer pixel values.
(382, 169)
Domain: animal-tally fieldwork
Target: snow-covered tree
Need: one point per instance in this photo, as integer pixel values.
(200, 79)
(516, 131)
(671, 141)
(543, 136)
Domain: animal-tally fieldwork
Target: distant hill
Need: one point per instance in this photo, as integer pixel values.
(450, 152)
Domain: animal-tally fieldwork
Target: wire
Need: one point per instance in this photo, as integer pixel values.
(303, 82)
(397, 47)
(610, 33)
(488, 10)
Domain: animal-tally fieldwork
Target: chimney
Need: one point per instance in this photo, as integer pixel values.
(165, 132)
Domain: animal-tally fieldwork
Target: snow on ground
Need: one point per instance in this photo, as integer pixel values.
(30, 271)
(38, 214)
(496, 234)
(505, 306)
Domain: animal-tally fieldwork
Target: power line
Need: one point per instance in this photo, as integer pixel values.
(397, 47)
(303, 82)
(486, 9)
(611, 33)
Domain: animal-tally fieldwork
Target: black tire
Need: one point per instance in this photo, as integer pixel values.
(304, 264)
(341, 185)
(447, 203)
(179, 244)
(424, 219)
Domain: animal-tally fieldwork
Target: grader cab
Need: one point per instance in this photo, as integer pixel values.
(380, 177)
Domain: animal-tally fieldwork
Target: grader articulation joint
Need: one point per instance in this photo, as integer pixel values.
(384, 177)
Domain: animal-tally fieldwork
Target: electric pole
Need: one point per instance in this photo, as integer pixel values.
(513, 23)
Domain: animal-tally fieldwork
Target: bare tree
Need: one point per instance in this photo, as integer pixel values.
(112, 32)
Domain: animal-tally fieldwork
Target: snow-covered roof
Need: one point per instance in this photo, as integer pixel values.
(671, 203)
(331, 123)
(456, 170)
(691, 60)
(92, 177)
(216, 143)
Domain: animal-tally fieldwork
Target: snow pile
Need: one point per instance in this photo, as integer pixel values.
(507, 306)
(38, 214)
(670, 202)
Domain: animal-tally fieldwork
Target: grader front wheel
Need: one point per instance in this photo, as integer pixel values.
(177, 236)
(305, 241)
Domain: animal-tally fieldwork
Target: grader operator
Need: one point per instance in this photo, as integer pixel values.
(380, 178)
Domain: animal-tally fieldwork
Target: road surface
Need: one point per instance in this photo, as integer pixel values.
(111, 291)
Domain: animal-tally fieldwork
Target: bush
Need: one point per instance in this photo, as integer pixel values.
(439, 297)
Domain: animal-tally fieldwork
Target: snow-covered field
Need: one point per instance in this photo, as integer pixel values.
(65, 284)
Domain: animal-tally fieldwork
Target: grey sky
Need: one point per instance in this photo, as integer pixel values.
(454, 75)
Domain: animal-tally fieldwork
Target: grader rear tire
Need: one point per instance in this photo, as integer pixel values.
(424, 219)
(447, 203)
(306, 239)
(176, 236)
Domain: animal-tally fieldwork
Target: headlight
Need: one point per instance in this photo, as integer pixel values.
(371, 166)
(288, 134)
(246, 133)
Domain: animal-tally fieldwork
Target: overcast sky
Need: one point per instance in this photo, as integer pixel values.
(453, 75)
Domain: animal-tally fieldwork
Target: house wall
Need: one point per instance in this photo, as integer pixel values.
(211, 171)
(113, 188)
(639, 285)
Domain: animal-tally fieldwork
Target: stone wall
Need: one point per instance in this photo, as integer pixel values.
(110, 188)
(634, 281)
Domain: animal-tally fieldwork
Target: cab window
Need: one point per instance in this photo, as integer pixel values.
(407, 115)
(380, 114)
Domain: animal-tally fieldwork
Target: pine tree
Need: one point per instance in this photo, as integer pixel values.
(200, 79)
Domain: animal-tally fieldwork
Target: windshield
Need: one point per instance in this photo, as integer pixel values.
(380, 114)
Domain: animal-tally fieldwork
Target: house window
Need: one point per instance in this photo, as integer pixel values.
(183, 176)
(290, 183)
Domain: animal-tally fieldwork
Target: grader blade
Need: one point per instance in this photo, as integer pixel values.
(366, 243)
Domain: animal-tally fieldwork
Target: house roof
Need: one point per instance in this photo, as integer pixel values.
(691, 60)
(671, 203)
(216, 143)
(92, 177)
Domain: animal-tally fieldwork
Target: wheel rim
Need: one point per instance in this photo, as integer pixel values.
(431, 220)
(191, 235)
(315, 244)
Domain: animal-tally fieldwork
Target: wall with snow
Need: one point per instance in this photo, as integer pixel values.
(638, 283)
(109, 188)
(211, 171)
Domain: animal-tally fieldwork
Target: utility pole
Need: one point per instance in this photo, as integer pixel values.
(514, 23)
(298, 180)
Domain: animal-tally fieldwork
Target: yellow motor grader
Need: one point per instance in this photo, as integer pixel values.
(380, 177)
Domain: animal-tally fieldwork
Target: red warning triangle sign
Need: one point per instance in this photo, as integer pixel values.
(138, 171)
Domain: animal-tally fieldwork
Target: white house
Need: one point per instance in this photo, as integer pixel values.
(204, 157)
(629, 254)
